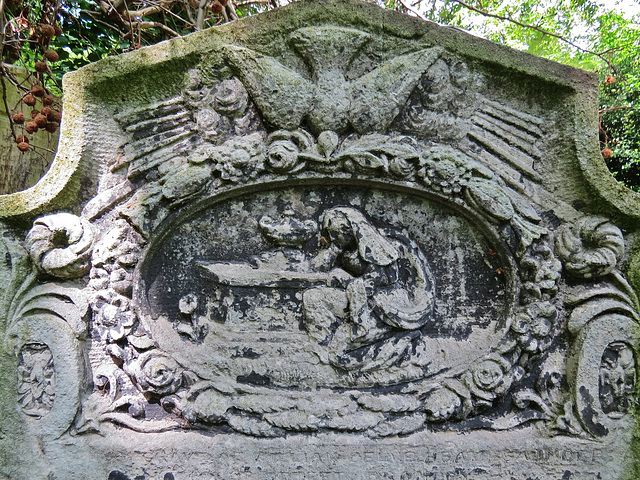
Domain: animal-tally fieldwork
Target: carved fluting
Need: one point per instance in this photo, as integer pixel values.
(60, 245)
(36, 379)
(590, 248)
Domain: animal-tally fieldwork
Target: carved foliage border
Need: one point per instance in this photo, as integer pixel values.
(441, 171)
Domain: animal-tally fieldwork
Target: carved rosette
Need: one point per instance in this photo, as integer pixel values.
(590, 248)
(60, 245)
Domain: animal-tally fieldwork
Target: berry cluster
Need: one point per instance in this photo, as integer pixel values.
(37, 108)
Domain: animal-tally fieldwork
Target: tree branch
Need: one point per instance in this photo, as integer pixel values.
(160, 25)
(254, 2)
(612, 109)
(93, 14)
(531, 27)
(412, 10)
(200, 20)
(4, 100)
(231, 10)
(143, 12)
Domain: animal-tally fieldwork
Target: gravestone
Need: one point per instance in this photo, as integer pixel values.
(328, 242)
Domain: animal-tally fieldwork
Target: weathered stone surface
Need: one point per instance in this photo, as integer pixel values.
(327, 242)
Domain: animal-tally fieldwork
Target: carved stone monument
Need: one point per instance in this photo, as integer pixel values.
(329, 242)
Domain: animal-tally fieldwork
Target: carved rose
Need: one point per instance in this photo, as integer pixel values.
(116, 319)
(61, 245)
(230, 98)
(488, 374)
(445, 169)
(284, 149)
(237, 158)
(533, 325)
(158, 373)
(282, 155)
(591, 248)
(491, 377)
(441, 404)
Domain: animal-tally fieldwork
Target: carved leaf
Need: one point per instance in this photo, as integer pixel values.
(591, 303)
(264, 403)
(359, 160)
(66, 303)
(357, 421)
(253, 426)
(294, 420)
(399, 425)
(389, 403)
(487, 196)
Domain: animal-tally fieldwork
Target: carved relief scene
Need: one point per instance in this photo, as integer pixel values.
(327, 234)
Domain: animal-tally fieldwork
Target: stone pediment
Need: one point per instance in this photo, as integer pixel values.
(334, 229)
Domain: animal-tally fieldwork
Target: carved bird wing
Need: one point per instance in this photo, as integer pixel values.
(378, 96)
(156, 133)
(282, 95)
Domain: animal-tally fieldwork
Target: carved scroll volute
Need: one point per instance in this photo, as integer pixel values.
(46, 323)
(604, 319)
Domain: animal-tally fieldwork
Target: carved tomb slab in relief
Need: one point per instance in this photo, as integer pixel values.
(327, 242)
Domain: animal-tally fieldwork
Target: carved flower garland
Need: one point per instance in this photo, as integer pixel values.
(114, 259)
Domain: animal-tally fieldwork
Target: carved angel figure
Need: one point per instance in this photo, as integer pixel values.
(380, 293)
